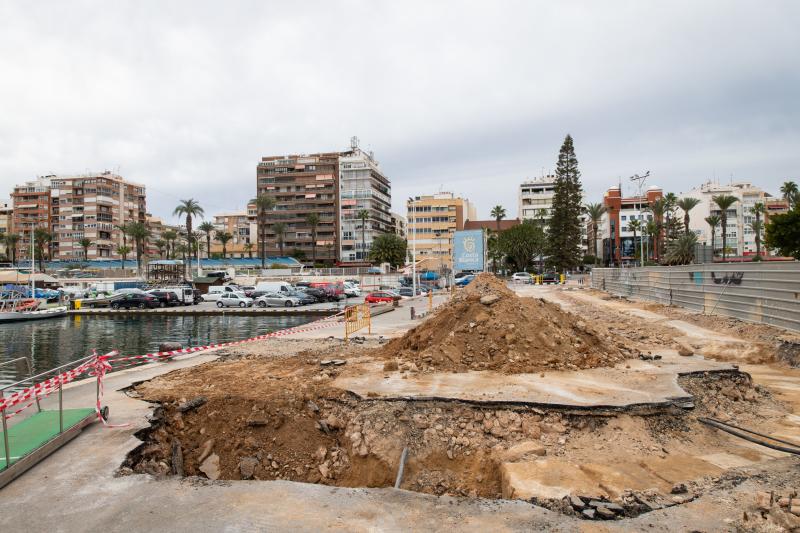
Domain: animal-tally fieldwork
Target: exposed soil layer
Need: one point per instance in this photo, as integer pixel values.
(486, 326)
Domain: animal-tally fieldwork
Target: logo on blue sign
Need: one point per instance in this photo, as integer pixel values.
(468, 253)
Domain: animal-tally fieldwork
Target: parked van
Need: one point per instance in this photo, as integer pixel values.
(185, 294)
(274, 286)
(214, 293)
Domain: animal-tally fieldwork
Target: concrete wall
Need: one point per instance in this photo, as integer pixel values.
(766, 293)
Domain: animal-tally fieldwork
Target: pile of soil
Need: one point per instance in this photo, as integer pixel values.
(488, 327)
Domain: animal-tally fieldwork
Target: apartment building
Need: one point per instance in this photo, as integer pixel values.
(302, 185)
(238, 225)
(535, 198)
(71, 208)
(616, 242)
(6, 221)
(740, 236)
(399, 223)
(432, 221)
(363, 188)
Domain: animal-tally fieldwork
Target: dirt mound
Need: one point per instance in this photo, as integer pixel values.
(488, 327)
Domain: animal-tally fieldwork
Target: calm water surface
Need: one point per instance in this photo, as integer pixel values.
(56, 341)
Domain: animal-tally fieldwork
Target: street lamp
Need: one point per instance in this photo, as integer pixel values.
(640, 183)
(413, 232)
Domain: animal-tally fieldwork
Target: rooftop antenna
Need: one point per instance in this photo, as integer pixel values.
(354, 142)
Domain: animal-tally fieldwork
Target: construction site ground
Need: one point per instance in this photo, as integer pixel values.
(307, 433)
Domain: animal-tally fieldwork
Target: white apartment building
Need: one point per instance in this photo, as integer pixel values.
(741, 238)
(362, 186)
(535, 202)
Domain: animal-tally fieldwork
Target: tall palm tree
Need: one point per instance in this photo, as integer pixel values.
(790, 193)
(651, 229)
(363, 215)
(658, 207)
(758, 226)
(139, 233)
(189, 208)
(11, 240)
(498, 213)
(40, 239)
(123, 230)
(312, 219)
(687, 204)
(713, 222)
(280, 233)
(85, 244)
(224, 237)
(160, 244)
(264, 203)
(634, 226)
(724, 202)
(170, 236)
(207, 227)
(595, 213)
(248, 247)
(123, 252)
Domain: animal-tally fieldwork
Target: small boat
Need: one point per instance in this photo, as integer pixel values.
(17, 308)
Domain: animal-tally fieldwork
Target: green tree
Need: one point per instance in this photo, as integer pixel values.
(207, 228)
(564, 234)
(724, 202)
(498, 213)
(170, 236)
(658, 207)
(681, 250)
(160, 244)
(634, 226)
(264, 203)
(123, 231)
(312, 219)
(139, 232)
(280, 233)
(758, 226)
(224, 238)
(686, 205)
(85, 244)
(11, 240)
(651, 229)
(123, 252)
(595, 213)
(522, 243)
(363, 216)
(189, 209)
(41, 237)
(783, 233)
(713, 221)
(388, 248)
(248, 247)
(790, 193)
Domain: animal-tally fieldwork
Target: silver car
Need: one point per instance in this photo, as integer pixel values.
(234, 299)
(276, 299)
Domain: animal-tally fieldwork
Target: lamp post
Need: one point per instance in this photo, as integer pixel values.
(640, 183)
(413, 232)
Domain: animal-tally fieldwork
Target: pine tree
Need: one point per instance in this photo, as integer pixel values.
(564, 232)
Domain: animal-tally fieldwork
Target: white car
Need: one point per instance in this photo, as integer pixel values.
(524, 277)
(277, 299)
(234, 299)
(351, 290)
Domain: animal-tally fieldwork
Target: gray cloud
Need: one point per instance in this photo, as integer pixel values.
(185, 97)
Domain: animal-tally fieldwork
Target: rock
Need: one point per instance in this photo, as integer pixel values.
(389, 366)
(588, 513)
(552, 427)
(321, 453)
(256, 420)
(324, 470)
(210, 467)
(177, 458)
(795, 510)
(605, 513)
(169, 346)
(247, 467)
(194, 403)
(679, 488)
(531, 428)
(334, 422)
(313, 407)
(332, 362)
(489, 299)
(576, 502)
(763, 500)
(205, 450)
(517, 452)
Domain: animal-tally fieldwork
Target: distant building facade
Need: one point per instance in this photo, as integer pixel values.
(535, 199)
(71, 208)
(491, 225)
(432, 221)
(237, 224)
(616, 242)
(400, 225)
(6, 225)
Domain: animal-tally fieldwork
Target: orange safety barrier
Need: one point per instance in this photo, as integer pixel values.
(356, 317)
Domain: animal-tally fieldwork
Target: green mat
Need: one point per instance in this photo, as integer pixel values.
(35, 431)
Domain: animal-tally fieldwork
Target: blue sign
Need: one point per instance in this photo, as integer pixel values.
(468, 250)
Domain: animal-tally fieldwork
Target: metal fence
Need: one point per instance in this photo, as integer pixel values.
(767, 293)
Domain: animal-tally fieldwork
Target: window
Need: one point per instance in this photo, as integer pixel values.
(624, 218)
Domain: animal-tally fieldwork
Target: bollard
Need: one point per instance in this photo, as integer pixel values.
(413, 313)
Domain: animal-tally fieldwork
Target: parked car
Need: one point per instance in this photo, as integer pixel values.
(351, 290)
(304, 297)
(277, 299)
(524, 277)
(214, 293)
(273, 286)
(319, 295)
(165, 298)
(408, 292)
(248, 290)
(333, 291)
(551, 277)
(381, 297)
(462, 282)
(139, 301)
(234, 299)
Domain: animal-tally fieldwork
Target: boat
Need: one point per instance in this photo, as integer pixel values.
(19, 309)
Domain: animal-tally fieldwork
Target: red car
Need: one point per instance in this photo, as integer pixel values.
(381, 297)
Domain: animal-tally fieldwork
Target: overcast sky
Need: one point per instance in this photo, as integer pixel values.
(469, 97)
